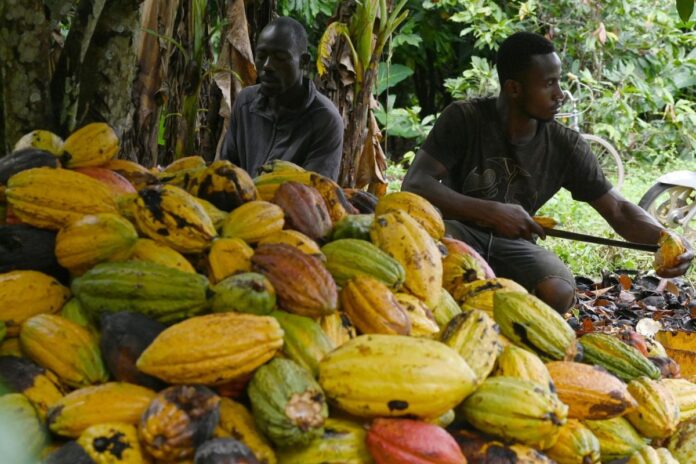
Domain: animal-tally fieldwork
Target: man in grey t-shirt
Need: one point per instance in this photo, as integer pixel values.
(284, 116)
(490, 164)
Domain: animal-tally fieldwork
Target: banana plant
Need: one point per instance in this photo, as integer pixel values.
(364, 34)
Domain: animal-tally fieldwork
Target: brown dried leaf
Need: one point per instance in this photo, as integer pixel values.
(625, 281)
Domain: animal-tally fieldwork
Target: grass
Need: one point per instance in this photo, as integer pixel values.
(585, 259)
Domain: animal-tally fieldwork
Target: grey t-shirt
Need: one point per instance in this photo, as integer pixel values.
(469, 140)
(310, 136)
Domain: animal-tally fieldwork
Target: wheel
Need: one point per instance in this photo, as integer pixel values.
(673, 206)
(609, 159)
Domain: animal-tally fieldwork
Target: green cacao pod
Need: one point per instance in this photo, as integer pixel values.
(288, 404)
(349, 257)
(22, 433)
(157, 291)
(343, 442)
(516, 409)
(618, 439)
(303, 340)
(248, 292)
(445, 309)
(622, 360)
(522, 364)
(529, 322)
(355, 226)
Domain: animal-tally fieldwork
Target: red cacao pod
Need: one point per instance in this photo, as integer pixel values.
(409, 441)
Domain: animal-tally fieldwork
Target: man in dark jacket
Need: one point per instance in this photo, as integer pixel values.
(489, 164)
(284, 116)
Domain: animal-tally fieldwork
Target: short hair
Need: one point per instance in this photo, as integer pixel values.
(296, 31)
(515, 54)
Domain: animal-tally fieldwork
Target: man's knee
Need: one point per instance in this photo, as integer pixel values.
(557, 293)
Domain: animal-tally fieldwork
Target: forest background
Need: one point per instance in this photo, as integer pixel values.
(164, 74)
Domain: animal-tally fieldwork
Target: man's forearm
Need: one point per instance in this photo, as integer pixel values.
(634, 224)
(451, 204)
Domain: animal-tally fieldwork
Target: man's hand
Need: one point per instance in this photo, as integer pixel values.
(681, 264)
(512, 221)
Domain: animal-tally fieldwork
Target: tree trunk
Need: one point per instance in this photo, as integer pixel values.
(24, 51)
(107, 83)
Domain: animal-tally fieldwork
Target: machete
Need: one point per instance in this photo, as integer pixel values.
(549, 225)
(600, 240)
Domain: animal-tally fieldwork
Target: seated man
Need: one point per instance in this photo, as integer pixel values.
(499, 159)
(284, 117)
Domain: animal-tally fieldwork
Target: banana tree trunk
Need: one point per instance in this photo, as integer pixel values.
(158, 19)
(65, 85)
(24, 53)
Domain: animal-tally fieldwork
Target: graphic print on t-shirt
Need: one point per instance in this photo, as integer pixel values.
(500, 179)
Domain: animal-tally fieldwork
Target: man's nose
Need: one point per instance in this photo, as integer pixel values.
(267, 64)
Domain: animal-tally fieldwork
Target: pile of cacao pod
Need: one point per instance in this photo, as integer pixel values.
(192, 314)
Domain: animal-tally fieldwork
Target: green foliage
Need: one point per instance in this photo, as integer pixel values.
(404, 122)
(306, 11)
(389, 75)
(480, 79)
(685, 9)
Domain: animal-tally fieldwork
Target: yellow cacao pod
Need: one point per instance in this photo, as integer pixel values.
(237, 422)
(590, 391)
(657, 414)
(64, 347)
(199, 350)
(415, 206)
(50, 198)
(422, 320)
(150, 251)
(112, 443)
(402, 238)
(685, 394)
(254, 221)
(170, 215)
(228, 256)
(369, 376)
(27, 293)
(650, 455)
(474, 335)
(110, 402)
(575, 444)
(90, 145)
(93, 239)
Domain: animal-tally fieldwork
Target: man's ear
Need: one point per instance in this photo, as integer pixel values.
(304, 61)
(512, 88)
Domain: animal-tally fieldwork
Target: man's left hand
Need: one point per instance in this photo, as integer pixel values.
(682, 263)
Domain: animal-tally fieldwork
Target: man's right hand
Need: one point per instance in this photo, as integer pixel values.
(512, 221)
